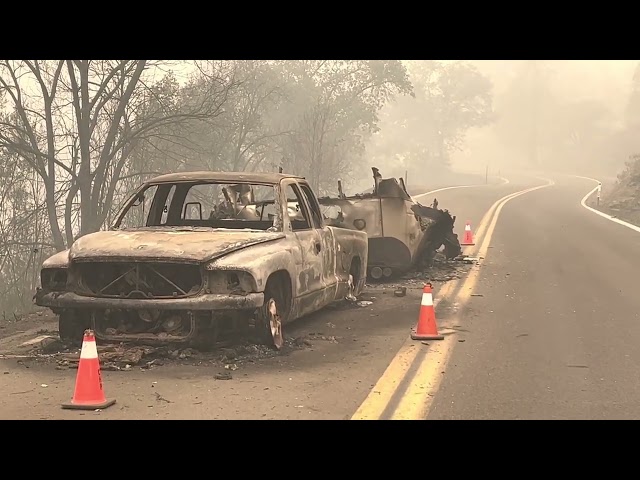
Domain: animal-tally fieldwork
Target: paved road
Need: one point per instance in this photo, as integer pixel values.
(556, 333)
(327, 380)
(553, 335)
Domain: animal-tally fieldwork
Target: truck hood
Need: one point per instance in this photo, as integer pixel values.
(180, 244)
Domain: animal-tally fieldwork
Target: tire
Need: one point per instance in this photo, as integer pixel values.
(71, 327)
(274, 312)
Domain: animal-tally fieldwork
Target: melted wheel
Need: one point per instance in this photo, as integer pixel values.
(275, 324)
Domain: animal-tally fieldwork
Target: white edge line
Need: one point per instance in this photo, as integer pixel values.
(504, 182)
(447, 188)
(602, 214)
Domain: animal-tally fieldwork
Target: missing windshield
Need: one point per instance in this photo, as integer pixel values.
(202, 204)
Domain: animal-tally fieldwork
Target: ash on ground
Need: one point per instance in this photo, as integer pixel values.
(441, 270)
(11, 324)
(127, 356)
(123, 357)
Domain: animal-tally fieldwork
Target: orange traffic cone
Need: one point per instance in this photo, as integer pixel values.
(468, 235)
(88, 394)
(426, 328)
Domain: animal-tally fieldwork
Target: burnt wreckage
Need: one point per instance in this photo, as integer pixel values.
(195, 255)
(402, 233)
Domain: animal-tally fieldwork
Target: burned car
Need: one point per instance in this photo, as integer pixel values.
(194, 255)
(402, 233)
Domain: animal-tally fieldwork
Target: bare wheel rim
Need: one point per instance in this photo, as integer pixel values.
(351, 296)
(275, 324)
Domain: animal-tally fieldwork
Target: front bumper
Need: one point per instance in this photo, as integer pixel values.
(202, 302)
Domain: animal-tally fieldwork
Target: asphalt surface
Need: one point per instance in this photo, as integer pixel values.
(556, 333)
(348, 350)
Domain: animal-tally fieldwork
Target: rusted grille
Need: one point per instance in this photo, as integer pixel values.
(139, 280)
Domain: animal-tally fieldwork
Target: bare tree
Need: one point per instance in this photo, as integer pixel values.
(343, 99)
(76, 122)
(244, 136)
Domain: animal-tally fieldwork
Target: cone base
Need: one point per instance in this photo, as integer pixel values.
(87, 406)
(417, 336)
(467, 244)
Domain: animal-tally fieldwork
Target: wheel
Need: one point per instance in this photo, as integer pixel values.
(274, 312)
(355, 284)
(71, 327)
(376, 273)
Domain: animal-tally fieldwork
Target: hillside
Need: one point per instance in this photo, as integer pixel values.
(623, 197)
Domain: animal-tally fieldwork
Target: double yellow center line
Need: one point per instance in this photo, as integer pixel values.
(406, 388)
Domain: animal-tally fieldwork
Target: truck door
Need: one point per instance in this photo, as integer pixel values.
(310, 284)
(327, 241)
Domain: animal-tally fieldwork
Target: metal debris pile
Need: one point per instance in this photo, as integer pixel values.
(441, 270)
(397, 242)
(124, 357)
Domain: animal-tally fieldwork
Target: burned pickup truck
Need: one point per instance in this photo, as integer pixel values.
(194, 255)
(402, 233)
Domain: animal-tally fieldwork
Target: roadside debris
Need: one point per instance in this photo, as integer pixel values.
(441, 270)
(126, 357)
(469, 259)
(320, 336)
(241, 350)
(224, 361)
(160, 398)
(11, 324)
(350, 296)
(398, 241)
(400, 292)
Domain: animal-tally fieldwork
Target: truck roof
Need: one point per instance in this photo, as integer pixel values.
(226, 177)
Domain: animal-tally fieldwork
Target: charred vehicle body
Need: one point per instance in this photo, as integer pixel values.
(402, 233)
(191, 256)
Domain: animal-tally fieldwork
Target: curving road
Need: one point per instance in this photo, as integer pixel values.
(348, 351)
(556, 331)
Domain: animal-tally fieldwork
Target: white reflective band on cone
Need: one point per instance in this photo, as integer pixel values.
(467, 227)
(89, 350)
(427, 300)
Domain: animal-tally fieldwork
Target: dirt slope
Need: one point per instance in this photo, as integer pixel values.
(622, 199)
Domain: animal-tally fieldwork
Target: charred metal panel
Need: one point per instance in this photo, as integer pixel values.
(390, 219)
(177, 244)
(199, 302)
(389, 252)
(352, 209)
(138, 279)
(329, 250)
(261, 261)
(390, 188)
(401, 232)
(352, 245)
(159, 327)
(58, 260)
